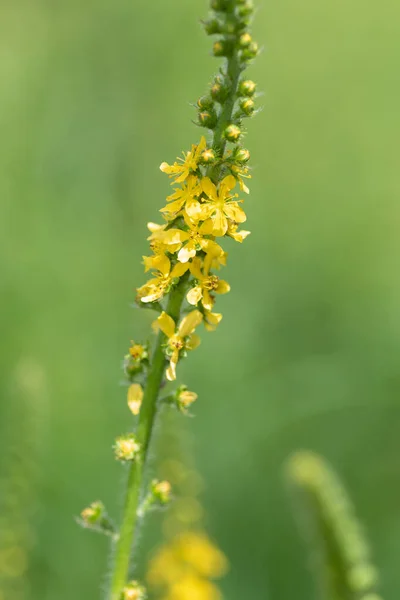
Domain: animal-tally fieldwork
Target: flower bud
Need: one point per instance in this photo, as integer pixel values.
(245, 9)
(247, 88)
(232, 133)
(208, 118)
(242, 155)
(245, 40)
(250, 52)
(205, 102)
(219, 5)
(208, 156)
(135, 398)
(161, 491)
(212, 26)
(222, 48)
(247, 106)
(94, 513)
(138, 352)
(184, 398)
(134, 591)
(219, 92)
(126, 447)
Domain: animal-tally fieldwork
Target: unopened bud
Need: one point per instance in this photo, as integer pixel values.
(208, 118)
(135, 398)
(212, 26)
(242, 155)
(232, 133)
(207, 157)
(219, 92)
(161, 491)
(246, 8)
(244, 40)
(250, 52)
(247, 106)
(205, 102)
(247, 88)
(134, 591)
(93, 513)
(126, 447)
(219, 5)
(222, 48)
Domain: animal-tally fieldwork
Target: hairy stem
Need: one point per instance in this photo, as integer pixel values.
(145, 428)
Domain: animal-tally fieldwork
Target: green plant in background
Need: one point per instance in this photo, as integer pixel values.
(340, 554)
(186, 255)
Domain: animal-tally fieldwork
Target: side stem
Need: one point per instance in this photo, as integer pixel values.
(145, 428)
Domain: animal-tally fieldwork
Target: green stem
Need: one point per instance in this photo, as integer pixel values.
(147, 417)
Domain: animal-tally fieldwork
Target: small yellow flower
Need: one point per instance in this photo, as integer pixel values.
(126, 447)
(135, 398)
(239, 172)
(161, 491)
(183, 197)
(185, 398)
(178, 339)
(194, 241)
(220, 207)
(206, 283)
(233, 232)
(133, 591)
(155, 288)
(188, 164)
(196, 549)
(138, 352)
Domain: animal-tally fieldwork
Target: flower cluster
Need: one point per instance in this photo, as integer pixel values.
(197, 214)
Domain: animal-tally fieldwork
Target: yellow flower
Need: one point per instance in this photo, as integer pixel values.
(183, 197)
(197, 550)
(178, 339)
(188, 164)
(233, 232)
(155, 288)
(137, 351)
(194, 240)
(205, 284)
(135, 397)
(219, 207)
(193, 587)
(240, 172)
(185, 398)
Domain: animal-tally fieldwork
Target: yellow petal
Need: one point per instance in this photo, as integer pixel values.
(193, 341)
(154, 227)
(207, 301)
(220, 223)
(194, 295)
(195, 268)
(234, 212)
(193, 208)
(135, 397)
(239, 236)
(171, 371)
(206, 227)
(223, 287)
(179, 269)
(159, 262)
(165, 168)
(209, 188)
(173, 208)
(211, 320)
(189, 323)
(200, 147)
(226, 185)
(166, 324)
(187, 252)
(174, 236)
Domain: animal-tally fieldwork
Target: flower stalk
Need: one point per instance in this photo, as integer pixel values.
(186, 257)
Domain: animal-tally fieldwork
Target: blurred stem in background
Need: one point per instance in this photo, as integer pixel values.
(340, 554)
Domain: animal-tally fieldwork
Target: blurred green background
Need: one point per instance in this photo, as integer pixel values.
(94, 96)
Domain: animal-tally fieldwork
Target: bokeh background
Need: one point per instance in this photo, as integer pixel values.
(94, 96)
